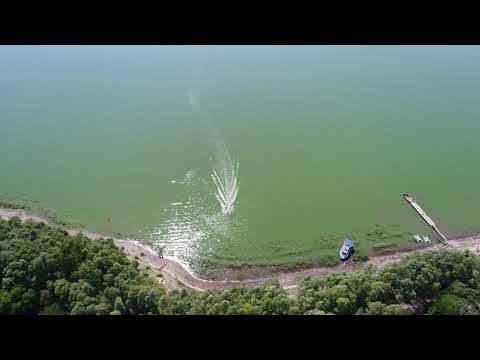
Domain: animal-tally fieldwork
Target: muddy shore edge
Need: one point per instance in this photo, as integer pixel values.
(174, 275)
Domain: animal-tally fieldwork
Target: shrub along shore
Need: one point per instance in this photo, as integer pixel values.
(43, 270)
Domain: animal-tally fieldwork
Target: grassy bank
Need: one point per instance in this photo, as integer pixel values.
(381, 239)
(36, 208)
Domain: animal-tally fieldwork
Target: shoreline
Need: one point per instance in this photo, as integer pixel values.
(176, 275)
(133, 248)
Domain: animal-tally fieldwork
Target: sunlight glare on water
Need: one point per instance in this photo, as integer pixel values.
(194, 225)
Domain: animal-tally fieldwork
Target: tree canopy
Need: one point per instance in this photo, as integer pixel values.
(43, 270)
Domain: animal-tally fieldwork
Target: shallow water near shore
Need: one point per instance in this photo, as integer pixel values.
(327, 139)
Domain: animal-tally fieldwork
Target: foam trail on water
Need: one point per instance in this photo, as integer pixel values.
(225, 176)
(225, 171)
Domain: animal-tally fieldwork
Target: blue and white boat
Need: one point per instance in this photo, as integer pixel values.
(347, 250)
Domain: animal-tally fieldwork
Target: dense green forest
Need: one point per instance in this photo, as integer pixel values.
(43, 270)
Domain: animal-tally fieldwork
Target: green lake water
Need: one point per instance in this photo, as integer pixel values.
(327, 139)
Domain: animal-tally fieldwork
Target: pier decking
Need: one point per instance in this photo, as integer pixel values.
(410, 199)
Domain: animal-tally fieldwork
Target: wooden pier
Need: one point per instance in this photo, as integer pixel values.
(410, 199)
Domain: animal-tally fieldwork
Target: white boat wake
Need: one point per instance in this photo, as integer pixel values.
(225, 177)
(225, 170)
(195, 227)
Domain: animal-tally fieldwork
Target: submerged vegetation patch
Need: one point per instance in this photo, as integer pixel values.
(322, 251)
(11, 205)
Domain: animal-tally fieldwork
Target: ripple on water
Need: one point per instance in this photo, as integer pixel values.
(194, 226)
